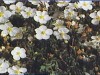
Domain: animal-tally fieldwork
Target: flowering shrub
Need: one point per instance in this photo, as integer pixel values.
(49, 37)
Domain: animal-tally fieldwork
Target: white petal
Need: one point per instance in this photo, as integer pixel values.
(56, 33)
(19, 4)
(37, 31)
(8, 25)
(10, 71)
(15, 67)
(2, 8)
(59, 37)
(49, 31)
(98, 13)
(44, 13)
(38, 13)
(38, 36)
(13, 52)
(16, 57)
(7, 14)
(45, 37)
(12, 7)
(4, 33)
(42, 28)
(23, 55)
(8, 2)
(22, 50)
(23, 70)
(3, 27)
(42, 21)
(46, 17)
(5, 65)
(36, 18)
(90, 7)
(95, 22)
(93, 37)
(64, 30)
(93, 15)
(65, 36)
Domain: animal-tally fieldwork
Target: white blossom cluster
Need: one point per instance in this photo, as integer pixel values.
(43, 32)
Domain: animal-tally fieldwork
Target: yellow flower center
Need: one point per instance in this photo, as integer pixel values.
(1, 14)
(75, 5)
(17, 72)
(98, 38)
(29, 13)
(41, 17)
(62, 34)
(9, 29)
(18, 9)
(18, 53)
(43, 33)
(0, 64)
(70, 13)
(98, 18)
(85, 4)
(61, 2)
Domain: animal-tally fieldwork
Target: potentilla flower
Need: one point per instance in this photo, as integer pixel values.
(85, 5)
(42, 17)
(62, 34)
(16, 70)
(43, 32)
(18, 53)
(96, 38)
(96, 17)
(4, 65)
(19, 35)
(59, 24)
(9, 1)
(62, 3)
(4, 14)
(73, 5)
(34, 2)
(8, 28)
(70, 13)
(28, 12)
(93, 44)
(18, 7)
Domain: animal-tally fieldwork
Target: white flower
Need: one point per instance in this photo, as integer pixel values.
(96, 17)
(4, 65)
(8, 29)
(28, 12)
(9, 1)
(18, 7)
(80, 29)
(62, 3)
(96, 38)
(18, 35)
(16, 70)
(62, 34)
(34, 2)
(18, 53)
(70, 13)
(4, 14)
(58, 24)
(73, 5)
(85, 5)
(92, 43)
(37, 2)
(42, 17)
(43, 32)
